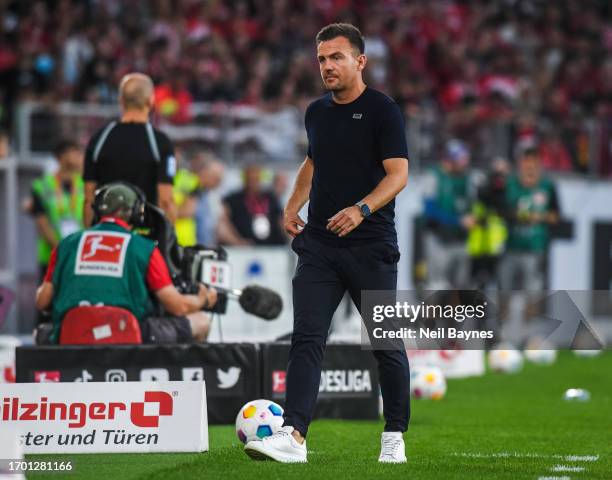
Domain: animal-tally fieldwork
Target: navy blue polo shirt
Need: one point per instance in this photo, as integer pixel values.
(348, 143)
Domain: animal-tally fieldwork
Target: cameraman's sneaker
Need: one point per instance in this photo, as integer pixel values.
(392, 448)
(281, 447)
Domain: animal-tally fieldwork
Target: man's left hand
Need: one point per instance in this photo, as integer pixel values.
(345, 221)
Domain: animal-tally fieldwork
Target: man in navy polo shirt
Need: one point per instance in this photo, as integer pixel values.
(357, 163)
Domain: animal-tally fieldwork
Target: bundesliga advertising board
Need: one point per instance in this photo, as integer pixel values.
(371, 239)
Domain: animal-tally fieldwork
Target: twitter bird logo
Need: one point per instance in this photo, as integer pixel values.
(228, 379)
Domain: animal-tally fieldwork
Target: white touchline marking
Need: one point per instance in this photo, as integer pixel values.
(504, 455)
(554, 478)
(582, 458)
(567, 458)
(567, 468)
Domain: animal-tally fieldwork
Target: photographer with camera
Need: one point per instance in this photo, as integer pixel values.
(110, 265)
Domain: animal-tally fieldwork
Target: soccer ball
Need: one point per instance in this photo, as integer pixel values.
(541, 357)
(258, 419)
(540, 352)
(427, 382)
(587, 353)
(505, 359)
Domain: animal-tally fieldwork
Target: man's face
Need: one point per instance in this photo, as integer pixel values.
(252, 178)
(72, 160)
(211, 177)
(460, 165)
(340, 63)
(215, 179)
(456, 166)
(529, 170)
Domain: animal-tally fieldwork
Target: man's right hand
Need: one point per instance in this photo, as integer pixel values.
(293, 223)
(208, 296)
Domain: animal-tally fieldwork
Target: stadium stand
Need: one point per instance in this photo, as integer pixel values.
(516, 71)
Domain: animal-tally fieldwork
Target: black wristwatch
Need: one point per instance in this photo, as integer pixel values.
(364, 209)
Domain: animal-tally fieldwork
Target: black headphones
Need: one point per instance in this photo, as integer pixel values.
(137, 214)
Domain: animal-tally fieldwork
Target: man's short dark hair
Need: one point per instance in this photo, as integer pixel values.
(64, 145)
(346, 30)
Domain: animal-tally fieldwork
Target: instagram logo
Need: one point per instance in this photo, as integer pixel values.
(115, 375)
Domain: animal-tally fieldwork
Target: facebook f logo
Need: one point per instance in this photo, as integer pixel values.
(193, 374)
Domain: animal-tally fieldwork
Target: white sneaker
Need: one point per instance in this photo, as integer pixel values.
(392, 448)
(281, 447)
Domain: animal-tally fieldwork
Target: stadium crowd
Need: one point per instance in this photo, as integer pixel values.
(517, 72)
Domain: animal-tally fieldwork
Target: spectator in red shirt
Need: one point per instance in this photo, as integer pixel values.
(554, 154)
(545, 57)
(173, 100)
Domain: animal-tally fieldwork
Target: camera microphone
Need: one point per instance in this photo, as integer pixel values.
(256, 300)
(261, 302)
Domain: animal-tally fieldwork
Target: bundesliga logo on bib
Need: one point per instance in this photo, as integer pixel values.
(102, 253)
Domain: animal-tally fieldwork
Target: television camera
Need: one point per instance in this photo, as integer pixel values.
(190, 266)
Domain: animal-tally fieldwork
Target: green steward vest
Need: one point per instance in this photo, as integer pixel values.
(488, 236)
(97, 274)
(526, 237)
(59, 206)
(452, 196)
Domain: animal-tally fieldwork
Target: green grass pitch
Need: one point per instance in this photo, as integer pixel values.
(493, 427)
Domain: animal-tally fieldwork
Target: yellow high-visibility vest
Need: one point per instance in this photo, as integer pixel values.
(185, 183)
(488, 236)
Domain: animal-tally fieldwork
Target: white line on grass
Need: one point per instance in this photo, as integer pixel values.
(567, 458)
(567, 468)
(554, 478)
(581, 458)
(503, 455)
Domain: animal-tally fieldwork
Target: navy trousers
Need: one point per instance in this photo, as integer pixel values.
(322, 276)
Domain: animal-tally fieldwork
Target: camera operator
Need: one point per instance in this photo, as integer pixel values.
(152, 164)
(108, 264)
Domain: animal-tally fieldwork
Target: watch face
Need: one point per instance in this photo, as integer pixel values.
(365, 210)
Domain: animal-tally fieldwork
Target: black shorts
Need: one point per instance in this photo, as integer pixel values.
(166, 330)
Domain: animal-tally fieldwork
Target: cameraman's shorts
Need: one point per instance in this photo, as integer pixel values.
(168, 329)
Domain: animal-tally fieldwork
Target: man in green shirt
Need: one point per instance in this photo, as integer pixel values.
(446, 212)
(532, 207)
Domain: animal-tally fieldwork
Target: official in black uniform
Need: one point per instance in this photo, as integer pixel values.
(357, 163)
(132, 150)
